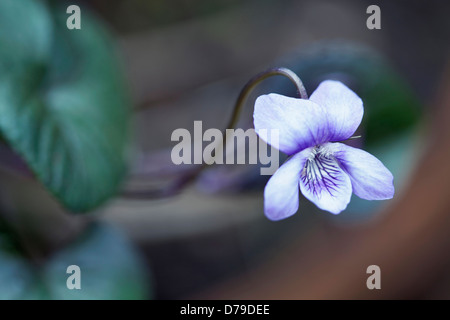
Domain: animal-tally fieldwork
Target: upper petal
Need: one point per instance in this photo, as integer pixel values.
(300, 123)
(323, 182)
(371, 180)
(281, 193)
(344, 108)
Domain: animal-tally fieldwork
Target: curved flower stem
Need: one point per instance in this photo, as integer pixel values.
(188, 177)
(253, 82)
(248, 88)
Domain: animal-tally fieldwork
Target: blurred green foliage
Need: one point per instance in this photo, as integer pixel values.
(17, 277)
(63, 102)
(110, 269)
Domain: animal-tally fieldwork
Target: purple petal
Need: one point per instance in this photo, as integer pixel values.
(371, 180)
(344, 108)
(301, 123)
(324, 183)
(281, 192)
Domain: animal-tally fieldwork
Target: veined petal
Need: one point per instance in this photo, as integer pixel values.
(281, 193)
(344, 109)
(371, 180)
(324, 183)
(300, 123)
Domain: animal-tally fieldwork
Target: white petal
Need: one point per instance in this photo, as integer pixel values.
(344, 109)
(371, 180)
(281, 193)
(300, 123)
(325, 184)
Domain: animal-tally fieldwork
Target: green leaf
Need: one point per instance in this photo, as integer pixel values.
(17, 277)
(110, 268)
(25, 34)
(63, 102)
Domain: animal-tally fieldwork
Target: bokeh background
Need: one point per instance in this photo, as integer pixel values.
(86, 118)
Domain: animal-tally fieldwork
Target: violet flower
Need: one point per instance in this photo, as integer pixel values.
(327, 171)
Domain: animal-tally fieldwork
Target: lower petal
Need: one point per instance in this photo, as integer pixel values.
(281, 193)
(325, 184)
(371, 180)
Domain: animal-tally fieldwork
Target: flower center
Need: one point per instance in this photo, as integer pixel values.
(321, 172)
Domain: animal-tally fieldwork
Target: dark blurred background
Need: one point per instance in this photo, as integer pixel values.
(186, 60)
